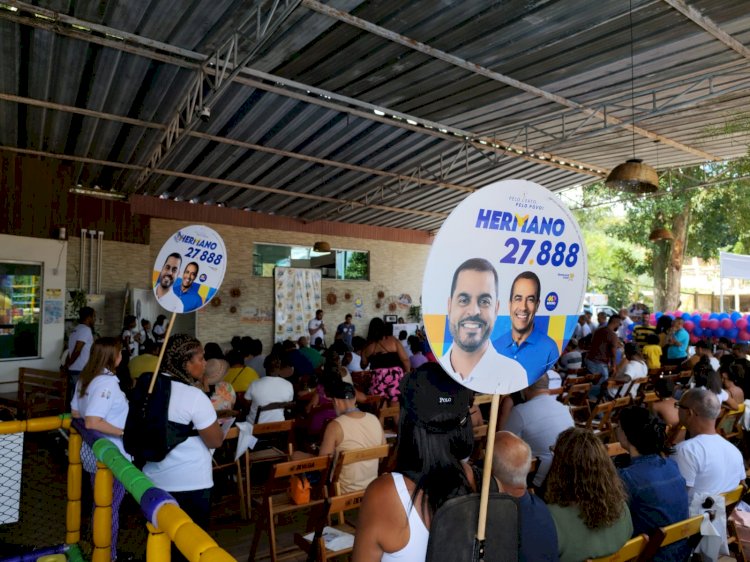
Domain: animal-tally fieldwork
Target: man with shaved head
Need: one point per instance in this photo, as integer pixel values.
(511, 462)
(709, 463)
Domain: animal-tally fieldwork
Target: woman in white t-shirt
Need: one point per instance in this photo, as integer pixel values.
(632, 367)
(103, 406)
(186, 471)
(159, 329)
(130, 336)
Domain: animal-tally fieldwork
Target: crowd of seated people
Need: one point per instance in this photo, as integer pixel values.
(576, 499)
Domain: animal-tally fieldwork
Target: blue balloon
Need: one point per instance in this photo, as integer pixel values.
(723, 315)
(685, 316)
(720, 332)
(658, 315)
(707, 332)
(713, 315)
(735, 316)
(696, 318)
(698, 331)
(733, 333)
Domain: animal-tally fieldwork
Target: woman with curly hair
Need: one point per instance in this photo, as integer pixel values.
(587, 500)
(657, 493)
(186, 470)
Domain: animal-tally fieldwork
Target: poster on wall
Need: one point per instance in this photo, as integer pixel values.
(189, 269)
(297, 295)
(503, 286)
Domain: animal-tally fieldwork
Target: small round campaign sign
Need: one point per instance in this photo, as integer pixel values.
(189, 269)
(503, 286)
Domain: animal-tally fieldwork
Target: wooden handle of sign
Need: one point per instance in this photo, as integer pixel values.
(161, 352)
(485, 494)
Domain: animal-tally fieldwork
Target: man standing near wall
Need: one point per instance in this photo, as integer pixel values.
(346, 329)
(316, 328)
(79, 347)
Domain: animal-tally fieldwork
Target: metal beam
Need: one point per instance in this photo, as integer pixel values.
(207, 87)
(229, 183)
(169, 54)
(234, 142)
(492, 75)
(707, 24)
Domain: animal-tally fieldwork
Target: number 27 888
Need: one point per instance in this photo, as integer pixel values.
(559, 255)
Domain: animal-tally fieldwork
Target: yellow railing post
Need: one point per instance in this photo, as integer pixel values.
(102, 514)
(158, 546)
(75, 475)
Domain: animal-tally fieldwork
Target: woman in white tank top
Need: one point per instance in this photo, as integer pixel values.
(434, 434)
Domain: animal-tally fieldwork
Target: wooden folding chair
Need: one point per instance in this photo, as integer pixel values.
(371, 403)
(577, 400)
(635, 386)
(223, 459)
(599, 419)
(286, 406)
(316, 549)
(346, 458)
(40, 393)
(664, 536)
(614, 449)
(631, 550)
(731, 499)
(276, 500)
(480, 441)
(388, 416)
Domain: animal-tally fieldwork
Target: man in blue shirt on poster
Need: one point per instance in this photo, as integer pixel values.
(187, 291)
(533, 349)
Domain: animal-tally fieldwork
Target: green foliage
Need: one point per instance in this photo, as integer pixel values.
(357, 265)
(717, 197)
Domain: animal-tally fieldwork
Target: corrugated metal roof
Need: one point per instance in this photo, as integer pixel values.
(296, 132)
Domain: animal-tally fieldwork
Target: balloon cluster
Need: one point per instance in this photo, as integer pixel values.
(705, 325)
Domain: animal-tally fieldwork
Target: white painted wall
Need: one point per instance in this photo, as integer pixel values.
(54, 255)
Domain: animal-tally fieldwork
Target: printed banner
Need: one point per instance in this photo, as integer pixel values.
(503, 286)
(297, 295)
(189, 269)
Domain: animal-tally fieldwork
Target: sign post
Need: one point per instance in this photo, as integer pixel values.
(503, 287)
(187, 273)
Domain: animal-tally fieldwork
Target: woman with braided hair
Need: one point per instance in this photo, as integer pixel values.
(657, 493)
(186, 470)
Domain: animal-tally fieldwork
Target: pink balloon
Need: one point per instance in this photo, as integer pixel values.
(703, 323)
(653, 319)
(678, 313)
(713, 324)
(744, 335)
(694, 338)
(741, 323)
(689, 325)
(726, 323)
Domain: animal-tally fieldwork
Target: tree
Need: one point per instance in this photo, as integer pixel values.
(704, 208)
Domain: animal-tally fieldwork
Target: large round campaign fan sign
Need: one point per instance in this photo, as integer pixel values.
(189, 269)
(503, 286)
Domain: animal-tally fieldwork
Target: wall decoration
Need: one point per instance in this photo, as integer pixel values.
(297, 297)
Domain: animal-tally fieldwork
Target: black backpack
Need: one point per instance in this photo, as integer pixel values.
(149, 435)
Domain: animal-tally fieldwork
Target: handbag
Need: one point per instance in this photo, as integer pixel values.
(299, 489)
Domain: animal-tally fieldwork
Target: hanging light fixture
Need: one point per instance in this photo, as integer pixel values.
(659, 234)
(633, 176)
(321, 247)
